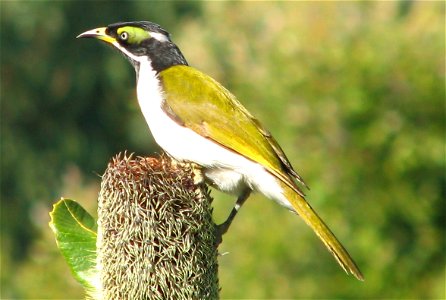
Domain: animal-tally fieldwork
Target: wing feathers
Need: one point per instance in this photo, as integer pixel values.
(214, 113)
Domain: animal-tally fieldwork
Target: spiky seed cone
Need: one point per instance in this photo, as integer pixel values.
(156, 238)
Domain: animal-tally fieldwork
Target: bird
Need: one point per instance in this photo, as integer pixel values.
(193, 118)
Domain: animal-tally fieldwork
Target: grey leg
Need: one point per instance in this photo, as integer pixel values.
(223, 227)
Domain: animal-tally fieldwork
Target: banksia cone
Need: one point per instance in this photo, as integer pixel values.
(156, 238)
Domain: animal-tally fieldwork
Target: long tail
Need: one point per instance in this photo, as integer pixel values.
(322, 231)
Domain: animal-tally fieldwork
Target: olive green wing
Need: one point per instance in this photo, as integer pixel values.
(197, 101)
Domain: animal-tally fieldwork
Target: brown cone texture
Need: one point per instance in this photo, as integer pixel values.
(156, 237)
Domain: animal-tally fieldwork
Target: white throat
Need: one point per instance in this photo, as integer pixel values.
(150, 98)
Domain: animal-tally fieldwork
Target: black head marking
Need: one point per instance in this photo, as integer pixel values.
(160, 50)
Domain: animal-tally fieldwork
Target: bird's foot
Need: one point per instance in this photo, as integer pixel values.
(221, 230)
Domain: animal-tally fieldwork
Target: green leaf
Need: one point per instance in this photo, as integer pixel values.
(75, 232)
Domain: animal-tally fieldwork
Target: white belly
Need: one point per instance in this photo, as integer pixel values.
(227, 170)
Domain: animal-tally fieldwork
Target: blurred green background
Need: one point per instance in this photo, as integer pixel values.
(353, 91)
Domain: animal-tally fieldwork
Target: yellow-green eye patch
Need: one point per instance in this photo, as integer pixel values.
(132, 35)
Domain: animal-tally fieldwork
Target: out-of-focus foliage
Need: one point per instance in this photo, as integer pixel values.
(353, 91)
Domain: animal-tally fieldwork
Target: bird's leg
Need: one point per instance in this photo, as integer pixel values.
(223, 227)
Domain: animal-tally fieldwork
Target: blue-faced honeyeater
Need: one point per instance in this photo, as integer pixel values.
(195, 119)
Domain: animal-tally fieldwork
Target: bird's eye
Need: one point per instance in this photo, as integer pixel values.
(124, 36)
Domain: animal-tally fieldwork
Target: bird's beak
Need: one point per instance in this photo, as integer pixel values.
(98, 33)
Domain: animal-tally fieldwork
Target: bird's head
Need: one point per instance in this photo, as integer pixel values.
(140, 42)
